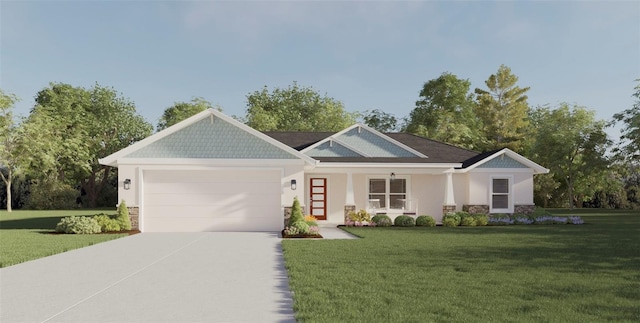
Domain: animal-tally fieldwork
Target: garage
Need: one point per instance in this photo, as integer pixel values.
(211, 200)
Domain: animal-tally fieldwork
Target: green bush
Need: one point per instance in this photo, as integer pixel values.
(425, 221)
(481, 219)
(360, 216)
(107, 223)
(404, 221)
(78, 225)
(382, 220)
(468, 221)
(301, 226)
(296, 212)
(123, 216)
(453, 218)
(449, 222)
(538, 212)
(51, 194)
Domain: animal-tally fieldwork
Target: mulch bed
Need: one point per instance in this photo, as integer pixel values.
(301, 236)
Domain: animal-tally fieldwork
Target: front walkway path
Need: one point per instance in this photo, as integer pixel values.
(154, 277)
(331, 231)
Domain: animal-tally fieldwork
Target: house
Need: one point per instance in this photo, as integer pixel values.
(213, 173)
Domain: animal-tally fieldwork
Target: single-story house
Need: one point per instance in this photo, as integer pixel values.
(213, 173)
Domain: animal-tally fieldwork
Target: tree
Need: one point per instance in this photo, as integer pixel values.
(380, 120)
(445, 112)
(71, 127)
(182, 110)
(573, 145)
(9, 136)
(630, 150)
(503, 110)
(296, 109)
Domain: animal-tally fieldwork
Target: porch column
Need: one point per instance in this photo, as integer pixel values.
(350, 204)
(449, 200)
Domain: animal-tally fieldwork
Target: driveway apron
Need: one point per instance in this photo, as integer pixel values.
(154, 277)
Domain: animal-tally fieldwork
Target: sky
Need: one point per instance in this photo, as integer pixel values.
(366, 54)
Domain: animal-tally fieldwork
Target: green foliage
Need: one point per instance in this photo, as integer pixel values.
(107, 223)
(10, 136)
(404, 221)
(360, 216)
(468, 222)
(291, 231)
(630, 138)
(445, 112)
(452, 218)
(382, 220)
(481, 219)
(302, 226)
(573, 145)
(425, 221)
(123, 216)
(296, 212)
(449, 222)
(311, 220)
(182, 110)
(78, 225)
(503, 109)
(380, 120)
(51, 194)
(296, 109)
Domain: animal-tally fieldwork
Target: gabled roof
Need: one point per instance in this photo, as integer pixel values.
(502, 158)
(209, 135)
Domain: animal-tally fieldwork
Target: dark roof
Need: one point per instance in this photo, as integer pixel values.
(437, 152)
(478, 158)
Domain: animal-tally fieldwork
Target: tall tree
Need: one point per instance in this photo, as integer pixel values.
(380, 120)
(630, 138)
(444, 112)
(296, 108)
(77, 126)
(503, 109)
(9, 136)
(573, 144)
(182, 110)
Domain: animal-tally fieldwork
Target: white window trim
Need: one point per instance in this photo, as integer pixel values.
(387, 193)
(510, 194)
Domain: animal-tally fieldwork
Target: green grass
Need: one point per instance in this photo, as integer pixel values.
(526, 273)
(25, 235)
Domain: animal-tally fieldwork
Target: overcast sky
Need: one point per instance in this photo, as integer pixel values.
(369, 55)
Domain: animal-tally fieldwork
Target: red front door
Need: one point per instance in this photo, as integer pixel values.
(318, 197)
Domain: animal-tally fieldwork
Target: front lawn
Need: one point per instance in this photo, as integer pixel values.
(535, 273)
(25, 235)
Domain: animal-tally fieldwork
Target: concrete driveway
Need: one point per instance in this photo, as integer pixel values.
(154, 277)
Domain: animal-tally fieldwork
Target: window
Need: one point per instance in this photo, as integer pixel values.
(501, 195)
(391, 193)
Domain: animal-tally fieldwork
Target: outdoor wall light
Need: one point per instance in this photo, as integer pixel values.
(127, 184)
(393, 176)
(294, 185)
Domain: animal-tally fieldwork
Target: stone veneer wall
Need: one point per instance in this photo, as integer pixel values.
(134, 215)
(348, 209)
(476, 209)
(448, 208)
(287, 214)
(524, 209)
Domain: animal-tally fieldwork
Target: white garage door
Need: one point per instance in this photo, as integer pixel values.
(193, 201)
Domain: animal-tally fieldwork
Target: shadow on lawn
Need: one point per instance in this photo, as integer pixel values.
(48, 223)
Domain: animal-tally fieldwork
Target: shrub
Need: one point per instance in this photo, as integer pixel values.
(360, 216)
(123, 216)
(425, 221)
(311, 220)
(78, 225)
(291, 231)
(481, 219)
(575, 220)
(522, 219)
(499, 219)
(404, 221)
(107, 223)
(314, 230)
(538, 211)
(468, 221)
(449, 222)
(382, 220)
(51, 194)
(453, 218)
(296, 212)
(302, 226)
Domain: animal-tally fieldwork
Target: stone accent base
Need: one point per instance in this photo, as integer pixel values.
(524, 209)
(348, 209)
(476, 209)
(134, 215)
(287, 214)
(448, 209)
